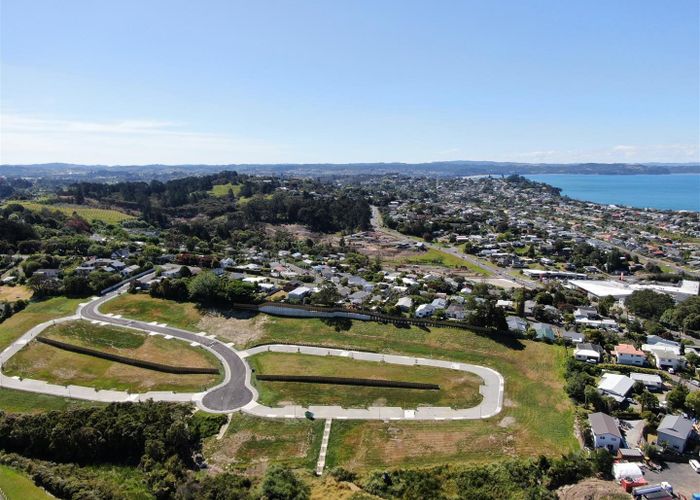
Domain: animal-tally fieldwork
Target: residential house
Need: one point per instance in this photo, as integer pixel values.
(543, 331)
(651, 382)
(516, 324)
(590, 353)
(627, 354)
(674, 431)
(573, 337)
(404, 303)
(606, 432)
(129, 270)
(298, 294)
(665, 356)
(439, 303)
(47, 273)
(616, 386)
(424, 311)
(456, 311)
(359, 297)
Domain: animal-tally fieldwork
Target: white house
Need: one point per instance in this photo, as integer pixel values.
(404, 303)
(606, 433)
(298, 294)
(590, 353)
(665, 356)
(674, 431)
(616, 386)
(627, 354)
(424, 311)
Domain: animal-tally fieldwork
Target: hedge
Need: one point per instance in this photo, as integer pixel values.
(309, 379)
(149, 365)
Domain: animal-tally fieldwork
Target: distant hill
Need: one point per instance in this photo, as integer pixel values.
(66, 172)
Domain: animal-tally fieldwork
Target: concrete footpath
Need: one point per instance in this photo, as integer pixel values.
(236, 391)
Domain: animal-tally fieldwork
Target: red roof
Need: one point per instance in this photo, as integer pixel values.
(628, 349)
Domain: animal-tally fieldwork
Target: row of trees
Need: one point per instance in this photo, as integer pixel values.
(205, 288)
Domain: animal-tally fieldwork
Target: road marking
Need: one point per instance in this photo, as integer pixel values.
(324, 447)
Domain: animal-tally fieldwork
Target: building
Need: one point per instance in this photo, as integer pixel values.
(590, 353)
(620, 289)
(606, 432)
(573, 337)
(665, 356)
(516, 324)
(298, 294)
(616, 386)
(651, 382)
(543, 331)
(404, 303)
(424, 311)
(627, 354)
(456, 311)
(439, 303)
(673, 432)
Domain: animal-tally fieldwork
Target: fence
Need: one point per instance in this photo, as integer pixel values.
(284, 309)
(365, 382)
(149, 365)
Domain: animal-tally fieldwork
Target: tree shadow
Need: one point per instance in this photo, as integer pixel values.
(338, 324)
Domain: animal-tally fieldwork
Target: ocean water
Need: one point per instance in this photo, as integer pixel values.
(674, 192)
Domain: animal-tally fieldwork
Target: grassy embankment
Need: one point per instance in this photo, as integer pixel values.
(457, 389)
(15, 293)
(54, 365)
(105, 215)
(537, 417)
(15, 485)
(142, 307)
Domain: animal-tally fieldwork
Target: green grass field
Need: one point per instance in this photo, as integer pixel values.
(251, 443)
(17, 486)
(35, 313)
(58, 366)
(87, 213)
(13, 401)
(143, 307)
(537, 417)
(457, 389)
(222, 189)
(434, 257)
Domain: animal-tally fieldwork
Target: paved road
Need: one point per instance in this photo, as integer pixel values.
(495, 271)
(229, 395)
(236, 391)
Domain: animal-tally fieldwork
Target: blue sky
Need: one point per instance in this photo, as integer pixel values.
(133, 82)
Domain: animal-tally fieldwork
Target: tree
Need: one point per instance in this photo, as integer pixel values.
(327, 296)
(204, 287)
(75, 285)
(602, 461)
(676, 397)
(648, 401)
(648, 303)
(281, 484)
(592, 397)
(692, 402)
(604, 305)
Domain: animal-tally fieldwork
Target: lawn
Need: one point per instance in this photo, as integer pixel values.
(222, 189)
(13, 401)
(145, 308)
(250, 443)
(87, 213)
(15, 293)
(15, 485)
(537, 417)
(434, 257)
(54, 365)
(35, 313)
(457, 389)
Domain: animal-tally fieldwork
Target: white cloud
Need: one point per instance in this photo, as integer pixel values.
(33, 139)
(662, 153)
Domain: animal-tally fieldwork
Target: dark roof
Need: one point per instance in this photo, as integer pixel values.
(591, 347)
(602, 423)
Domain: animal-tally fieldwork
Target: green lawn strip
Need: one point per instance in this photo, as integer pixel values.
(541, 415)
(251, 440)
(141, 307)
(14, 401)
(18, 486)
(223, 189)
(35, 313)
(88, 213)
(86, 334)
(457, 389)
(435, 257)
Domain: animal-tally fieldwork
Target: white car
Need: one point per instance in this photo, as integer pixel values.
(695, 465)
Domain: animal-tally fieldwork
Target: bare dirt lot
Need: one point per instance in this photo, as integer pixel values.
(239, 327)
(593, 489)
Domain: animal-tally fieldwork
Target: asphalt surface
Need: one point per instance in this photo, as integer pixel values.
(230, 395)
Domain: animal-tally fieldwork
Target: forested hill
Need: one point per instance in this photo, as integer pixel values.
(243, 199)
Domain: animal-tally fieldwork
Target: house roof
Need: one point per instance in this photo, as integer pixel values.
(586, 346)
(628, 349)
(675, 425)
(616, 384)
(646, 378)
(602, 423)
